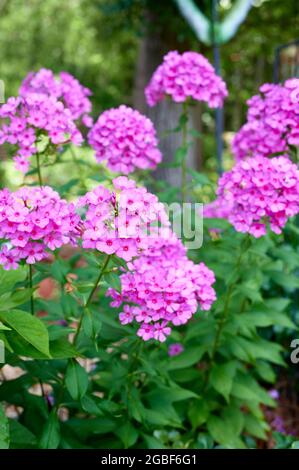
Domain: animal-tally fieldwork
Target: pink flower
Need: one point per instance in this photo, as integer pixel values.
(31, 115)
(259, 191)
(272, 121)
(126, 316)
(184, 76)
(118, 221)
(146, 331)
(33, 220)
(65, 88)
(126, 140)
(163, 288)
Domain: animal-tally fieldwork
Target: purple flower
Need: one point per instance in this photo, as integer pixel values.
(175, 349)
(126, 140)
(258, 191)
(272, 121)
(184, 76)
(274, 394)
(33, 220)
(65, 88)
(118, 221)
(163, 288)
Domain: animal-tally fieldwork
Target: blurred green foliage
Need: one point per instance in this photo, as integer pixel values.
(72, 35)
(97, 41)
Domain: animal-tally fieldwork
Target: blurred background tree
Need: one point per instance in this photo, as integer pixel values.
(113, 47)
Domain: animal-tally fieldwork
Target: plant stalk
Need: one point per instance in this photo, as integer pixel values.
(89, 299)
(30, 276)
(243, 249)
(39, 174)
(184, 159)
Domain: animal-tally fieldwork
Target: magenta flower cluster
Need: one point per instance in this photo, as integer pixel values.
(126, 140)
(29, 118)
(163, 288)
(33, 220)
(122, 221)
(272, 121)
(65, 88)
(184, 76)
(261, 191)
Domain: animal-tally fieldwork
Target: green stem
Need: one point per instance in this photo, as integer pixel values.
(77, 163)
(39, 174)
(89, 299)
(243, 248)
(30, 275)
(184, 159)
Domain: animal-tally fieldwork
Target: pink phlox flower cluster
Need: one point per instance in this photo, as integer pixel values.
(261, 190)
(163, 288)
(122, 221)
(27, 118)
(126, 140)
(272, 121)
(184, 76)
(33, 220)
(65, 88)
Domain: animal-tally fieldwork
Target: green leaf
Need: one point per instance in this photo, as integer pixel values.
(28, 327)
(295, 445)
(58, 332)
(265, 371)
(4, 430)
(199, 178)
(62, 349)
(21, 437)
(11, 300)
(179, 156)
(221, 378)
(91, 324)
(113, 280)
(90, 406)
(76, 380)
(255, 427)
(8, 279)
(186, 358)
(50, 437)
(246, 388)
(198, 412)
(226, 430)
(153, 443)
(128, 434)
(286, 280)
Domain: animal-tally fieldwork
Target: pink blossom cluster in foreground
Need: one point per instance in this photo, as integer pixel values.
(126, 140)
(65, 88)
(122, 221)
(27, 119)
(163, 288)
(184, 76)
(260, 191)
(33, 220)
(272, 121)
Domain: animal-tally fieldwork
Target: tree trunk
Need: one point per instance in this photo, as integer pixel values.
(165, 115)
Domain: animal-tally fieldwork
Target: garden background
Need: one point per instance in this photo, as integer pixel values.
(233, 384)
